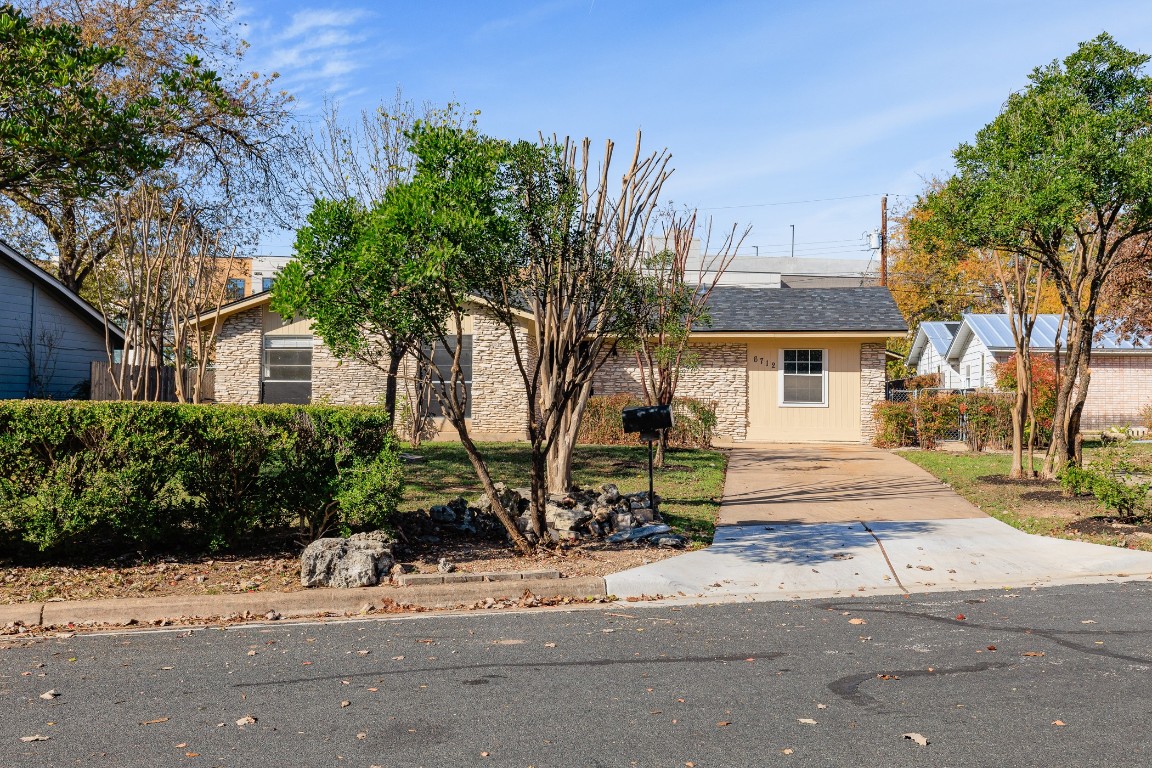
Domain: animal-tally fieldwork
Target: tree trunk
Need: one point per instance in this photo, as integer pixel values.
(1019, 406)
(564, 446)
(540, 490)
(395, 357)
(485, 476)
(1070, 399)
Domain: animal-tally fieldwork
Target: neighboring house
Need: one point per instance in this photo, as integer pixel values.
(782, 365)
(930, 349)
(49, 336)
(1121, 383)
(264, 270)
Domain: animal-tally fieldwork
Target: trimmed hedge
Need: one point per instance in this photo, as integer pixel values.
(695, 420)
(195, 477)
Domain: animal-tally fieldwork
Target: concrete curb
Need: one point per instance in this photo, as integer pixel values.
(292, 604)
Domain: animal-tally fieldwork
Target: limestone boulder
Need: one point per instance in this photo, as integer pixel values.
(361, 560)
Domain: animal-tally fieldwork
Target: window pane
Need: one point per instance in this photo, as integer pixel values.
(803, 389)
(288, 373)
(287, 358)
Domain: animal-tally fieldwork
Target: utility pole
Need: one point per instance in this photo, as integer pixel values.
(884, 240)
(793, 240)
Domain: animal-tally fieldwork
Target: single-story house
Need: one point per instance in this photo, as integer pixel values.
(781, 364)
(1121, 367)
(49, 336)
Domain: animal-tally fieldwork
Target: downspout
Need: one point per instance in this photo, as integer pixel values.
(31, 342)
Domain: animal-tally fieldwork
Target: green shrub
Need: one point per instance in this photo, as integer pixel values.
(895, 424)
(190, 476)
(1110, 478)
(695, 422)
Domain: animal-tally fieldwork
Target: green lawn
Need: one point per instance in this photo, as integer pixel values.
(1033, 506)
(691, 483)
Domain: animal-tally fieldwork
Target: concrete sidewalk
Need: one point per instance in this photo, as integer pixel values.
(816, 520)
(309, 602)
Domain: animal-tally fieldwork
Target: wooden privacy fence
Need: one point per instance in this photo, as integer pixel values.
(161, 383)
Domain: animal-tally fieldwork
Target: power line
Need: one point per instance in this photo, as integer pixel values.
(794, 202)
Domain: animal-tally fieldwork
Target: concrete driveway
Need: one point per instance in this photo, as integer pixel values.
(834, 520)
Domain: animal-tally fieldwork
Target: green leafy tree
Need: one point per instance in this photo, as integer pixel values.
(57, 129)
(221, 130)
(1063, 176)
(408, 270)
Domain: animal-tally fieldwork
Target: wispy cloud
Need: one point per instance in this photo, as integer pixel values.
(320, 50)
(526, 18)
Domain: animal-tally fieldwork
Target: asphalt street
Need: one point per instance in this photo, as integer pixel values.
(1050, 677)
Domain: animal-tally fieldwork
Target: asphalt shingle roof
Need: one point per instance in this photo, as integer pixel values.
(744, 309)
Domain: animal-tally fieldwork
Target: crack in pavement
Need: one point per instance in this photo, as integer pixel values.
(848, 687)
(530, 665)
(1052, 635)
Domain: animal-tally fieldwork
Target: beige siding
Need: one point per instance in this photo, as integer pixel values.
(837, 421)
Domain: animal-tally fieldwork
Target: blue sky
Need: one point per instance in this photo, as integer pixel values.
(758, 102)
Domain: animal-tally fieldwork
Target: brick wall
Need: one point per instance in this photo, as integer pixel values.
(872, 378)
(1121, 385)
(498, 399)
(721, 377)
(238, 348)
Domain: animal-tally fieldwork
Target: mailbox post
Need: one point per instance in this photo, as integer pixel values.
(649, 421)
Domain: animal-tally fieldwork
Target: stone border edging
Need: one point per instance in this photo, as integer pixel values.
(122, 611)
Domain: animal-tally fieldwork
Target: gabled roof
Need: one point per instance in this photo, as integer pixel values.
(80, 308)
(743, 309)
(938, 333)
(995, 333)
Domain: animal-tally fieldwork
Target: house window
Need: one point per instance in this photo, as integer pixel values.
(442, 358)
(287, 369)
(803, 377)
(234, 288)
(266, 283)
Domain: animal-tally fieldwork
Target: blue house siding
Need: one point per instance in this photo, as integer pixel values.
(65, 341)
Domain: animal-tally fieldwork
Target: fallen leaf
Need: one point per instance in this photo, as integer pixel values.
(361, 736)
(1088, 621)
(1033, 653)
(246, 720)
(182, 745)
(857, 621)
(167, 667)
(153, 722)
(483, 754)
(549, 645)
(821, 706)
(723, 724)
(37, 737)
(888, 677)
(991, 647)
(363, 653)
(786, 751)
(397, 658)
(1058, 722)
(373, 689)
(251, 653)
(49, 695)
(344, 704)
(508, 642)
(960, 617)
(806, 721)
(191, 754)
(917, 738)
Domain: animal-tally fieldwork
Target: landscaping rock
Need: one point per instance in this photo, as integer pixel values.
(358, 561)
(445, 566)
(642, 532)
(668, 540)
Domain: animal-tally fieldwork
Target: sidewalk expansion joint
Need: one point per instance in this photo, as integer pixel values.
(886, 558)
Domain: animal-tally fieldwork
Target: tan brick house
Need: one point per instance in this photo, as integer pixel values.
(781, 364)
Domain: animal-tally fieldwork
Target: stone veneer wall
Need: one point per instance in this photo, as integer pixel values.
(345, 382)
(872, 381)
(239, 345)
(721, 377)
(499, 405)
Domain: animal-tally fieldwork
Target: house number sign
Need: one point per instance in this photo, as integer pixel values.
(762, 360)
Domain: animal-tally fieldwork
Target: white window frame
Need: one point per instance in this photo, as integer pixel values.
(823, 383)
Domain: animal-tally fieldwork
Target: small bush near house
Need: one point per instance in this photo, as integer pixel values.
(695, 421)
(190, 477)
(929, 418)
(1043, 393)
(922, 381)
(1116, 476)
(1146, 417)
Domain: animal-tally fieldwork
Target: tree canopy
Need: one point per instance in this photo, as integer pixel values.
(57, 129)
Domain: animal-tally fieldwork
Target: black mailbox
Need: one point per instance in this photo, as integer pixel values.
(647, 418)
